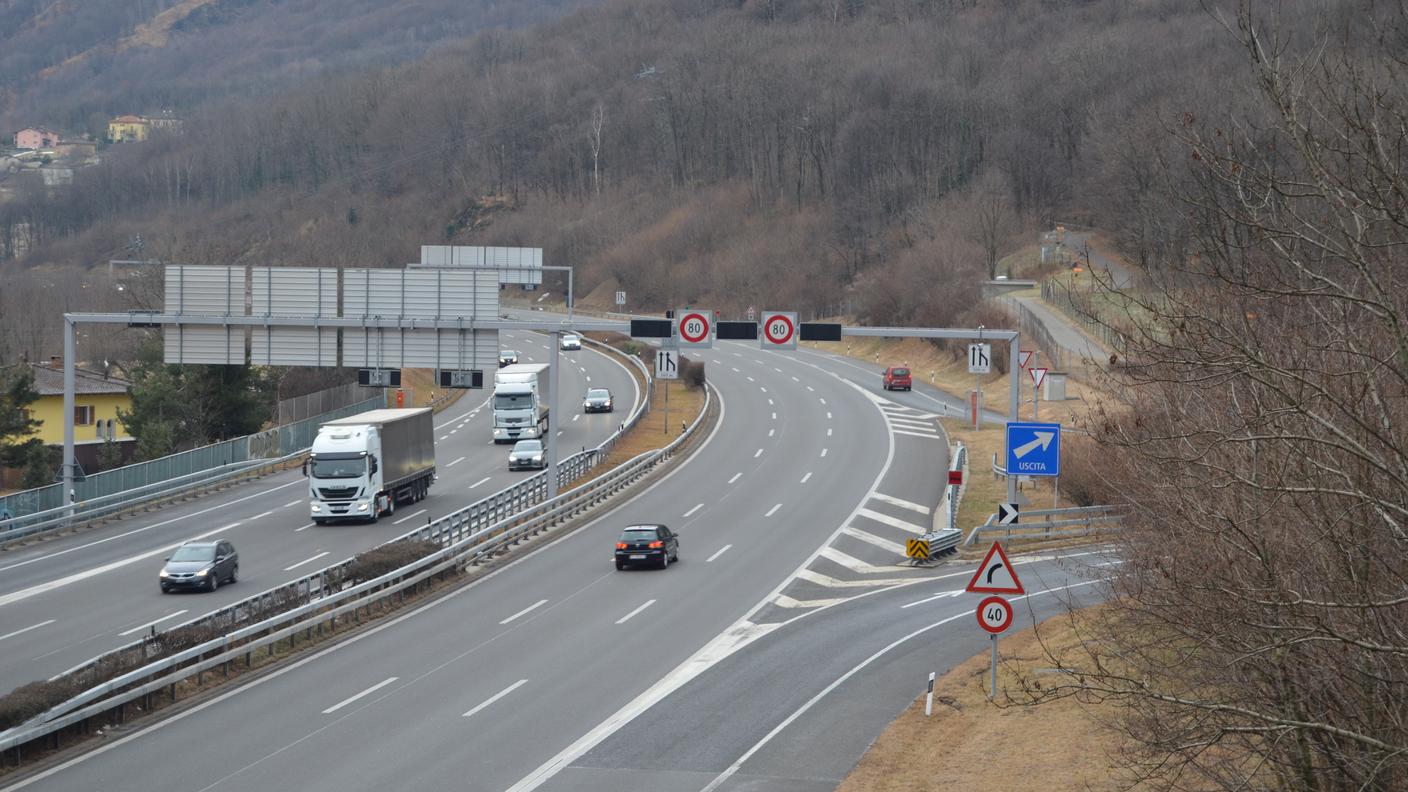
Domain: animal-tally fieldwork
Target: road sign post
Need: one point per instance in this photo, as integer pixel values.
(1038, 376)
(979, 363)
(995, 576)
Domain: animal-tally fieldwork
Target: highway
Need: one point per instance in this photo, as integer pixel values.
(800, 499)
(69, 599)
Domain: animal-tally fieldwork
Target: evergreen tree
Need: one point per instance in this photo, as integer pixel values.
(17, 425)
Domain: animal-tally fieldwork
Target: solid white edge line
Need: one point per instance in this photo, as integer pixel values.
(306, 561)
(141, 627)
(718, 553)
(515, 686)
(374, 688)
(540, 603)
(410, 516)
(691, 512)
(628, 616)
(44, 623)
(814, 700)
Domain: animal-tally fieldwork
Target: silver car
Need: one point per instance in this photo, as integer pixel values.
(527, 455)
(571, 341)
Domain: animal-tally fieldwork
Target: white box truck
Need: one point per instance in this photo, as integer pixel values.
(521, 402)
(363, 465)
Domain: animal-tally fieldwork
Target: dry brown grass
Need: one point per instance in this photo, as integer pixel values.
(971, 745)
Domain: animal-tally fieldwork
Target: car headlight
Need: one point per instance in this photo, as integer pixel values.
(203, 572)
(163, 574)
(363, 506)
(538, 458)
(317, 507)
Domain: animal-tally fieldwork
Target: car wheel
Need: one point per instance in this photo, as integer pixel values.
(665, 561)
(165, 589)
(235, 574)
(214, 582)
(390, 505)
(676, 557)
(620, 565)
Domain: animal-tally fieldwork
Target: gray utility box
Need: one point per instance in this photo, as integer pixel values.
(1054, 387)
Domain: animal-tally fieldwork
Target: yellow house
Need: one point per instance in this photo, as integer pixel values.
(96, 399)
(128, 127)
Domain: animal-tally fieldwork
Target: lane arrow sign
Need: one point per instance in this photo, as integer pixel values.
(1042, 441)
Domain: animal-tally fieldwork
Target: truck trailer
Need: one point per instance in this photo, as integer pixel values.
(521, 402)
(363, 465)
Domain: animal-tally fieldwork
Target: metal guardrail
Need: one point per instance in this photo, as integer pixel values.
(452, 528)
(129, 687)
(1084, 521)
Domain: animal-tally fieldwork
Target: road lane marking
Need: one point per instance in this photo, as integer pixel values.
(852, 563)
(758, 454)
(794, 379)
(769, 401)
(735, 370)
(444, 437)
(540, 603)
(779, 371)
(374, 688)
(304, 528)
(718, 553)
(773, 510)
(774, 416)
(831, 582)
(515, 686)
(477, 483)
(262, 514)
(810, 388)
(409, 516)
(940, 595)
(784, 601)
(294, 503)
(306, 561)
(729, 772)
(84, 575)
(901, 502)
(823, 452)
(627, 617)
(806, 478)
(823, 401)
(763, 389)
(933, 436)
(772, 432)
(135, 531)
(575, 417)
(870, 538)
(735, 477)
(150, 623)
(828, 431)
(456, 462)
(692, 511)
(828, 415)
(45, 623)
(890, 521)
(750, 379)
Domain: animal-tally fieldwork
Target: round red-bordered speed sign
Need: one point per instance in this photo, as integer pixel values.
(995, 615)
(694, 327)
(773, 324)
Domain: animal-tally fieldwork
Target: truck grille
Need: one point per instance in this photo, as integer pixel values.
(338, 493)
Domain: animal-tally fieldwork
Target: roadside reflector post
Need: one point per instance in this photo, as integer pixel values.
(929, 697)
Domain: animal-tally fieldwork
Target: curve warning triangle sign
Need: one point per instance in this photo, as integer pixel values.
(996, 574)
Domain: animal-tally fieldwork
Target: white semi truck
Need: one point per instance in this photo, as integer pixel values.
(521, 402)
(363, 465)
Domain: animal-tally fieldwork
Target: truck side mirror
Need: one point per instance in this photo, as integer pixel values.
(374, 467)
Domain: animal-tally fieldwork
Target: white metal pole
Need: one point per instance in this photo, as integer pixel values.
(1014, 369)
(553, 416)
(993, 694)
(69, 363)
(929, 697)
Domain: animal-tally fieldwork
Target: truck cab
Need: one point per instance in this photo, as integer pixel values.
(362, 466)
(520, 403)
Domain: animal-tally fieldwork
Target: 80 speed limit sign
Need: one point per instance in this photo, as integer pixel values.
(779, 330)
(995, 615)
(694, 328)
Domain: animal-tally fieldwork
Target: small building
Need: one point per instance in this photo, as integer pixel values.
(36, 138)
(77, 149)
(96, 401)
(56, 176)
(128, 127)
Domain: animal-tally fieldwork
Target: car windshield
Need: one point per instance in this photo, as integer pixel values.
(347, 467)
(528, 446)
(509, 401)
(901, 372)
(508, 353)
(194, 553)
(598, 393)
(569, 338)
(639, 535)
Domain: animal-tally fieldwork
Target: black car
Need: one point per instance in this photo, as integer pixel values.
(647, 544)
(597, 400)
(200, 565)
(507, 357)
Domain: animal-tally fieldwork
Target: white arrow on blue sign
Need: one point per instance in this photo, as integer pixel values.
(1034, 449)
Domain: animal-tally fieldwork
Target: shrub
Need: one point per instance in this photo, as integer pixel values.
(26, 701)
(1085, 472)
(379, 560)
(692, 373)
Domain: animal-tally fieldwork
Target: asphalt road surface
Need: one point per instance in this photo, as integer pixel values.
(558, 672)
(65, 601)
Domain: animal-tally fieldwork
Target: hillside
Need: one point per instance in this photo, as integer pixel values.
(70, 65)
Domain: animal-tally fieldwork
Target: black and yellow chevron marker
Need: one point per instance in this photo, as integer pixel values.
(917, 548)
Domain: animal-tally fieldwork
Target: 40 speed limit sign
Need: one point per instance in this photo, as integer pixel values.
(995, 615)
(694, 328)
(779, 330)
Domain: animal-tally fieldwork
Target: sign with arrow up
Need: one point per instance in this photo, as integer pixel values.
(1034, 449)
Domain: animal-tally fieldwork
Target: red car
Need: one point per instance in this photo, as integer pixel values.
(897, 377)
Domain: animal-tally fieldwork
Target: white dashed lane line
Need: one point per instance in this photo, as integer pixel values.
(306, 561)
(691, 512)
(628, 616)
(718, 553)
(141, 627)
(758, 453)
(540, 603)
(410, 516)
(515, 686)
(807, 477)
(735, 477)
(773, 510)
(823, 452)
(456, 462)
(374, 688)
(24, 630)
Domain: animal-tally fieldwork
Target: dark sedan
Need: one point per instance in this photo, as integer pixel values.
(201, 566)
(507, 357)
(597, 400)
(647, 544)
